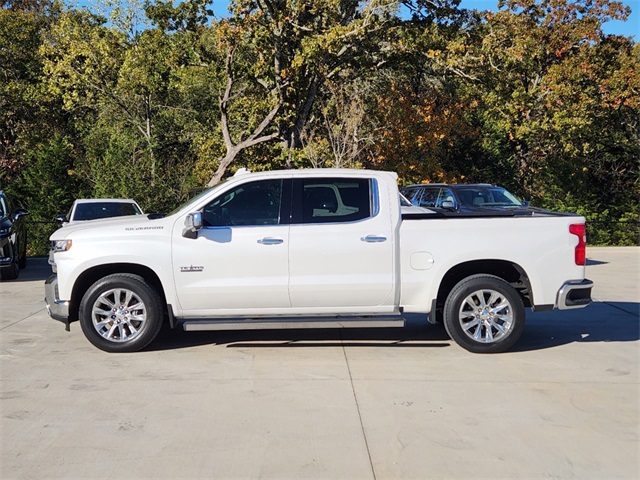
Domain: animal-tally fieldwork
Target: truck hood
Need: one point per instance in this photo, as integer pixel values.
(107, 225)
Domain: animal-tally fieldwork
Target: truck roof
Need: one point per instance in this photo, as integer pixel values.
(113, 200)
(315, 172)
(452, 185)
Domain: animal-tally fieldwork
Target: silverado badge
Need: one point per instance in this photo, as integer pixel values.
(192, 268)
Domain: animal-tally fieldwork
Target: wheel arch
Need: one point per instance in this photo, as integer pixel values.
(510, 272)
(93, 274)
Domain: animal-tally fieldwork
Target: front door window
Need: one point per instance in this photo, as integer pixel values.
(256, 203)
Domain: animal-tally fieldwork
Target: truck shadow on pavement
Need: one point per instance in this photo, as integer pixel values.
(416, 334)
(591, 262)
(600, 322)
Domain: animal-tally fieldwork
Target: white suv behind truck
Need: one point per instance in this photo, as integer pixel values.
(314, 249)
(85, 209)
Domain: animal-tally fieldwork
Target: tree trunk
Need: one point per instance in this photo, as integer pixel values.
(222, 168)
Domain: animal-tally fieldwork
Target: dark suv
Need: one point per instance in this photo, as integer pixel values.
(13, 239)
(478, 198)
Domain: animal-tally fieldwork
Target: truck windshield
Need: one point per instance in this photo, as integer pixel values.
(197, 197)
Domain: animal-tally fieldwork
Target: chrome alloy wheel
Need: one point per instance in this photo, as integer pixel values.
(486, 316)
(119, 315)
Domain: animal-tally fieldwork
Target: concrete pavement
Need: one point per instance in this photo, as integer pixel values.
(370, 404)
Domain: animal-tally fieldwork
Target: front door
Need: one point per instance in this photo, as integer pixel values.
(238, 264)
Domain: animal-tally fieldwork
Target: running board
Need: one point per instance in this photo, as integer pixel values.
(192, 325)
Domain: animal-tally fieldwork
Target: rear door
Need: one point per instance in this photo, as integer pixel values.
(341, 246)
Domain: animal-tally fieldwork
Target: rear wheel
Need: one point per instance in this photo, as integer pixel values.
(484, 314)
(121, 313)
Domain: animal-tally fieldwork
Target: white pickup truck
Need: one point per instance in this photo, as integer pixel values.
(313, 249)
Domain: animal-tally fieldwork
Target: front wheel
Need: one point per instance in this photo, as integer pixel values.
(484, 314)
(22, 260)
(121, 313)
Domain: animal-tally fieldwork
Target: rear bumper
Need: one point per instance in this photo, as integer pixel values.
(58, 309)
(575, 294)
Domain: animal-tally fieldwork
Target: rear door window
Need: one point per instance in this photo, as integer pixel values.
(331, 200)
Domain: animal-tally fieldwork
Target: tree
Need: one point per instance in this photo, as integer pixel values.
(279, 54)
(23, 108)
(557, 105)
(36, 137)
(519, 48)
(117, 85)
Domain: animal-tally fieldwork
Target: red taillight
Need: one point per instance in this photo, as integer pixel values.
(580, 230)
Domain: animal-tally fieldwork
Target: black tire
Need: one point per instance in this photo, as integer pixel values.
(22, 260)
(108, 320)
(10, 272)
(484, 314)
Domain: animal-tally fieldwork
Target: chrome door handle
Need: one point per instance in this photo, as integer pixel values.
(270, 241)
(374, 239)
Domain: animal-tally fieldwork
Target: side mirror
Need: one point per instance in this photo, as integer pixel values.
(61, 217)
(192, 224)
(19, 213)
(448, 204)
(526, 203)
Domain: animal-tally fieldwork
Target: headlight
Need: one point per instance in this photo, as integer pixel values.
(4, 231)
(60, 245)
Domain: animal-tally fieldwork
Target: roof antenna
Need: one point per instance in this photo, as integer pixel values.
(241, 171)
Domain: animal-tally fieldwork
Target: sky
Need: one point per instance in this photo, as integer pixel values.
(628, 28)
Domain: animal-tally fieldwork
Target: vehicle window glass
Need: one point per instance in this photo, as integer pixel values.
(129, 209)
(410, 194)
(98, 210)
(255, 203)
(332, 200)
(474, 196)
(3, 207)
(404, 202)
(504, 197)
(465, 196)
(429, 197)
(445, 195)
(196, 197)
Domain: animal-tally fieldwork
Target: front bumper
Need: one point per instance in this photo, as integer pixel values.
(575, 294)
(6, 252)
(58, 309)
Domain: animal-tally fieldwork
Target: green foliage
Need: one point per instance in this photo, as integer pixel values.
(560, 112)
(183, 17)
(21, 102)
(46, 188)
(152, 103)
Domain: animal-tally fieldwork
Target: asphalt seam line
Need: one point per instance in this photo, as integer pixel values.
(18, 321)
(355, 397)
